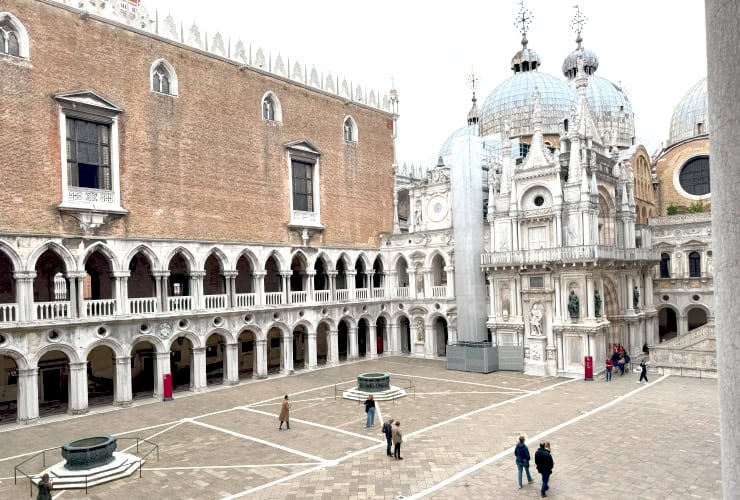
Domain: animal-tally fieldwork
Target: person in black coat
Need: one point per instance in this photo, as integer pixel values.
(545, 464)
(521, 454)
(643, 372)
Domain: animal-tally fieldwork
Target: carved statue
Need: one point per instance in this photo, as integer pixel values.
(417, 214)
(535, 320)
(420, 330)
(635, 297)
(597, 304)
(573, 305)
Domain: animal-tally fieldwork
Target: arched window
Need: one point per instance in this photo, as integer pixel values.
(164, 78)
(694, 265)
(350, 130)
(271, 108)
(13, 36)
(665, 265)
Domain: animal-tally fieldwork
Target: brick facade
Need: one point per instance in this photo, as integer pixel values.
(199, 166)
(668, 163)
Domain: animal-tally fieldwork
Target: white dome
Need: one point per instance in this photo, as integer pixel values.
(690, 116)
(610, 107)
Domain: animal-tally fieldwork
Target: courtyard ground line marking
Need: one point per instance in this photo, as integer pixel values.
(153, 435)
(273, 483)
(292, 401)
(307, 422)
(258, 440)
(533, 439)
(301, 392)
(253, 466)
(461, 382)
(463, 392)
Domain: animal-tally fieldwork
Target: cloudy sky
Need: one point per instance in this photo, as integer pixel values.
(654, 48)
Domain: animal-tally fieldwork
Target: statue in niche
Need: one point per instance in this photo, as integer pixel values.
(597, 304)
(417, 213)
(573, 305)
(420, 330)
(535, 320)
(635, 297)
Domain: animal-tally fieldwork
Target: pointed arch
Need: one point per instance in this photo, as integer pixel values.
(254, 262)
(323, 257)
(163, 78)
(345, 259)
(147, 252)
(279, 260)
(362, 257)
(301, 256)
(13, 256)
(429, 259)
(398, 258)
(271, 108)
(189, 259)
(350, 130)
(219, 254)
(104, 249)
(10, 27)
(62, 252)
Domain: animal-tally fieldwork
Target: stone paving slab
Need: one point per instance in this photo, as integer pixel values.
(660, 442)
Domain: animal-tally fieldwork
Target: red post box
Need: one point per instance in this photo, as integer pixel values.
(588, 368)
(167, 384)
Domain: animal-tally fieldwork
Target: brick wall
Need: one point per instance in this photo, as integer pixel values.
(668, 163)
(202, 165)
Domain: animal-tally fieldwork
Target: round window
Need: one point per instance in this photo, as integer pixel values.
(539, 201)
(694, 176)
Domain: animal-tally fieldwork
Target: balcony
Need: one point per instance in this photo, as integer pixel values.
(180, 303)
(378, 293)
(299, 297)
(322, 296)
(144, 305)
(274, 298)
(577, 254)
(245, 299)
(343, 295)
(402, 292)
(439, 292)
(217, 301)
(361, 293)
(100, 307)
(8, 313)
(52, 310)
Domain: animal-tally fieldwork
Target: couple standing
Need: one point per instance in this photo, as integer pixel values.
(393, 436)
(542, 459)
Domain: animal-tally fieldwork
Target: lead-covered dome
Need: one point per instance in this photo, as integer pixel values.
(690, 116)
(511, 103)
(610, 107)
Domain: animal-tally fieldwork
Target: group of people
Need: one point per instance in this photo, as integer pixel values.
(620, 359)
(542, 459)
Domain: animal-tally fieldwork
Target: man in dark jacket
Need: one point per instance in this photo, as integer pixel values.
(521, 454)
(388, 432)
(544, 463)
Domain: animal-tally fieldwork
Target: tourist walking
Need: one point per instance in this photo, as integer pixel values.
(370, 410)
(609, 368)
(521, 455)
(44, 486)
(397, 438)
(543, 461)
(284, 414)
(621, 364)
(643, 372)
(388, 432)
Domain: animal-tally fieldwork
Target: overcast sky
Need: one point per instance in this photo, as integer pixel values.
(655, 48)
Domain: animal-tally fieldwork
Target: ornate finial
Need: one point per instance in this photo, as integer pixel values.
(523, 19)
(473, 80)
(577, 24)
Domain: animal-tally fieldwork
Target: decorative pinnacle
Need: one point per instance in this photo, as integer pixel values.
(577, 23)
(523, 19)
(473, 80)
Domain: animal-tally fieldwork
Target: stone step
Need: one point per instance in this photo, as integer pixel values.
(358, 395)
(80, 483)
(123, 465)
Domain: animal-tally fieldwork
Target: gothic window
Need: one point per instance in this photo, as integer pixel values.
(13, 36)
(302, 185)
(694, 265)
(164, 78)
(350, 130)
(88, 154)
(271, 110)
(694, 176)
(665, 265)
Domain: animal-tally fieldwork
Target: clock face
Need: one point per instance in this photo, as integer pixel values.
(437, 208)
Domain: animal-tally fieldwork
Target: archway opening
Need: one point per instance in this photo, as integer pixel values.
(322, 292)
(342, 340)
(667, 324)
(440, 331)
(274, 351)
(8, 390)
(300, 347)
(214, 284)
(142, 289)
(405, 328)
(439, 277)
(101, 376)
(181, 364)
(7, 289)
(143, 369)
(97, 290)
(215, 359)
(378, 275)
(322, 344)
(402, 278)
(179, 284)
(247, 355)
(696, 317)
(363, 343)
(360, 275)
(53, 383)
(51, 287)
(380, 334)
(273, 282)
(341, 280)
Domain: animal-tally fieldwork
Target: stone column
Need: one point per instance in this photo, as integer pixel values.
(198, 381)
(333, 341)
(648, 291)
(373, 334)
(231, 355)
(259, 288)
(412, 283)
(230, 278)
(120, 284)
(630, 288)
(558, 314)
(312, 353)
(491, 294)
(286, 285)
(351, 283)
(512, 300)
(260, 352)
(163, 368)
(78, 388)
(161, 278)
(332, 285)
(394, 337)
(396, 225)
(450, 270)
(430, 339)
(311, 288)
(427, 273)
(76, 290)
(122, 395)
(683, 324)
(196, 289)
(24, 295)
(352, 340)
(591, 315)
(370, 285)
(287, 353)
(28, 395)
(391, 284)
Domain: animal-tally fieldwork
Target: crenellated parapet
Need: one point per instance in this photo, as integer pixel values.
(133, 13)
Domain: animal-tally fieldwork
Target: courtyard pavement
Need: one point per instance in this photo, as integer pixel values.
(609, 440)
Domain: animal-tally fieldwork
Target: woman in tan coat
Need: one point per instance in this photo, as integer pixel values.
(397, 438)
(284, 414)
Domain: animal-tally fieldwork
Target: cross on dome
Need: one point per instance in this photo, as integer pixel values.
(577, 23)
(523, 19)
